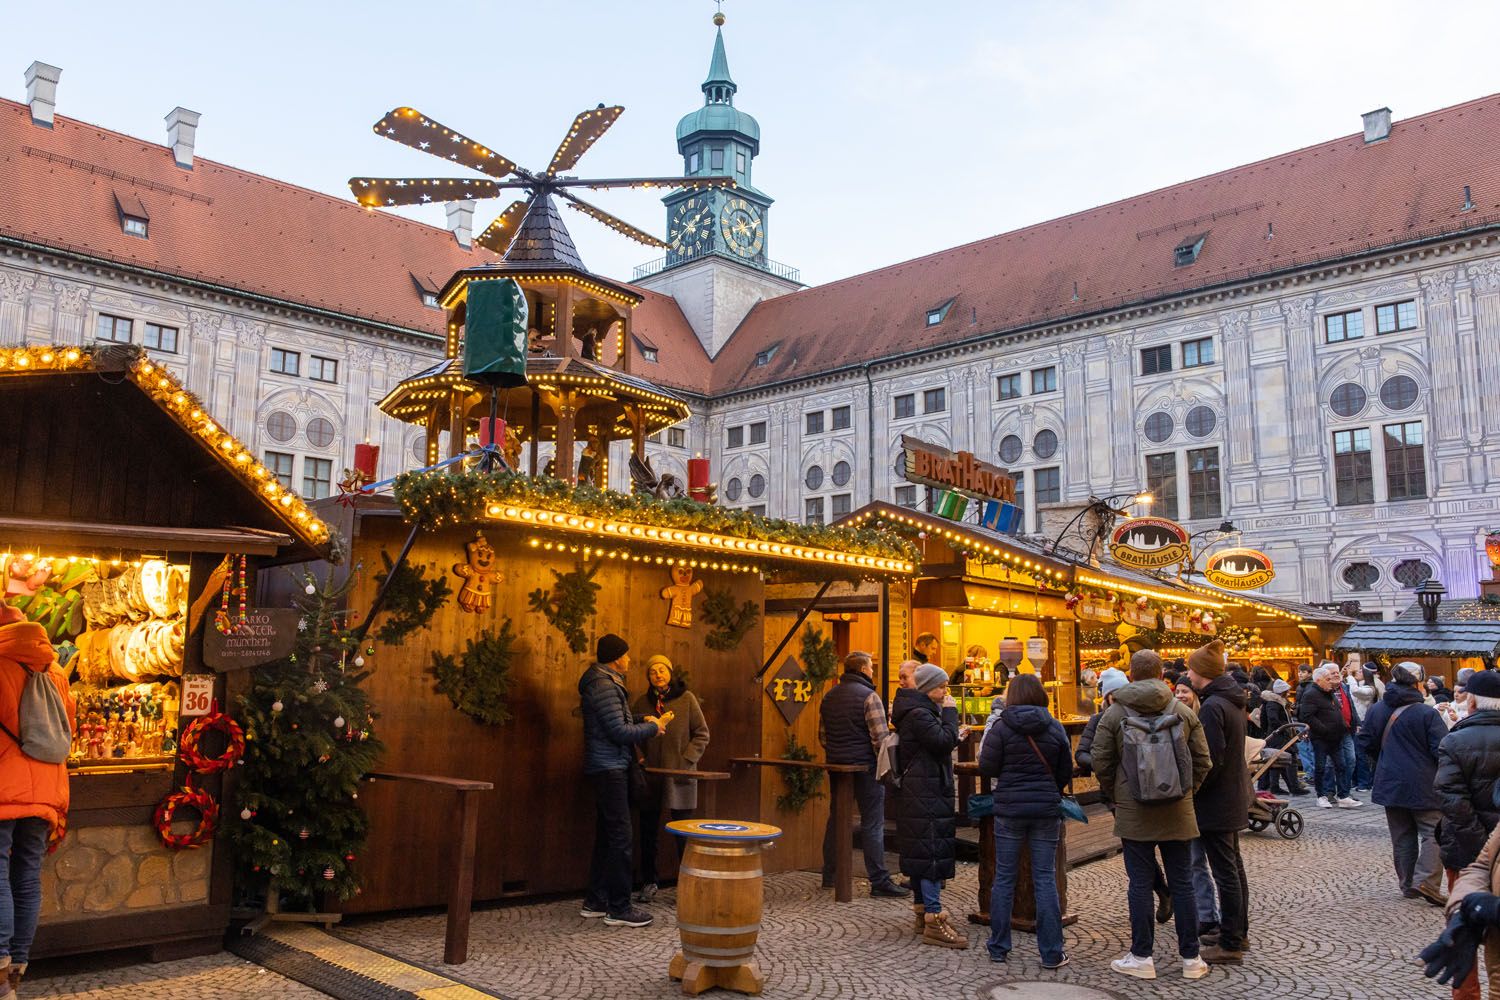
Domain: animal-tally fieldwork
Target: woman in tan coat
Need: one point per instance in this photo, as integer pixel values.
(680, 748)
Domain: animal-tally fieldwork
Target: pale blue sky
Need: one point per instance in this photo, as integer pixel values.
(889, 130)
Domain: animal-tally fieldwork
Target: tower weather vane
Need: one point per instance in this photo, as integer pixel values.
(410, 127)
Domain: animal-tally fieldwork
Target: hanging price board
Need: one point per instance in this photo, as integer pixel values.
(197, 695)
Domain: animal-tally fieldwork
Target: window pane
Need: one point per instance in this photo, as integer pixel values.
(1158, 427)
(1344, 326)
(815, 422)
(814, 510)
(1405, 468)
(757, 485)
(1398, 392)
(1406, 315)
(905, 406)
(735, 437)
(716, 159)
(1348, 399)
(281, 426)
(1047, 490)
(676, 437)
(840, 418)
(1204, 500)
(1044, 445)
(758, 433)
(732, 489)
(814, 477)
(1044, 380)
(934, 401)
(1009, 386)
(317, 478)
(1412, 573)
(906, 496)
(1155, 360)
(1198, 352)
(1010, 448)
(1200, 421)
(841, 504)
(1385, 319)
(841, 473)
(1353, 471)
(1161, 482)
(320, 432)
(279, 464)
(1361, 575)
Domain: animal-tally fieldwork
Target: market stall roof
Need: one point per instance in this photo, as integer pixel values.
(1463, 628)
(108, 450)
(1019, 552)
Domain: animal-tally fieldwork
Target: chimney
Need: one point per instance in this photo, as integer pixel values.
(461, 222)
(182, 135)
(41, 92)
(1377, 124)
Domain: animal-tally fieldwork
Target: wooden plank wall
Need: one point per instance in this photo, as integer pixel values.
(536, 829)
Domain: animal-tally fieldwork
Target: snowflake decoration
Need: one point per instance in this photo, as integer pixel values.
(320, 685)
(302, 625)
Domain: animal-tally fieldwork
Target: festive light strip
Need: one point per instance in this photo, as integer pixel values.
(688, 538)
(1242, 601)
(962, 538)
(458, 292)
(1091, 580)
(1275, 652)
(625, 555)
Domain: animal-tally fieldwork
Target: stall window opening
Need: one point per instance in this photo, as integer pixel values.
(115, 329)
(317, 478)
(285, 362)
(161, 338)
(1204, 499)
(279, 464)
(1353, 470)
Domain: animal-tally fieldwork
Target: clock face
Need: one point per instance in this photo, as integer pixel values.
(740, 225)
(692, 227)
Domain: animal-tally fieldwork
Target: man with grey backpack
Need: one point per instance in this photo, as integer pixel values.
(37, 716)
(1150, 756)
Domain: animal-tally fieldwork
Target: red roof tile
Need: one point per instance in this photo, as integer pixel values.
(1323, 202)
(681, 362)
(216, 223)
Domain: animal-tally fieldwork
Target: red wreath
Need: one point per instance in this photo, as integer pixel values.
(218, 722)
(194, 798)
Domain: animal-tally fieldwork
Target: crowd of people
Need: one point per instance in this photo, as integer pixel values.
(1169, 745)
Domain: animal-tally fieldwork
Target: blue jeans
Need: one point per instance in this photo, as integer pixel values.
(1335, 768)
(869, 795)
(1204, 891)
(1364, 770)
(1142, 872)
(1305, 755)
(930, 892)
(23, 843)
(1039, 836)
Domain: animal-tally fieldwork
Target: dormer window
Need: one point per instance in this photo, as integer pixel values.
(136, 226)
(1187, 251)
(764, 357)
(134, 219)
(427, 291)
(936, 314)
(430, 300)
(649, 353)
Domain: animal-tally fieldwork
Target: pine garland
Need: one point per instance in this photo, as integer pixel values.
(410, 601)
(441, 497)
(478, 683)
(569, 604)
(731, 624)
(803, 784)
(309, 729)
(820, 657)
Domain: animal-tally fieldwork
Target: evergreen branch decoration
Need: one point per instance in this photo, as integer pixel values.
(570, 603)
(803, 784)
(820, 657)
(478, 682)
(411, 600)
(730, 624)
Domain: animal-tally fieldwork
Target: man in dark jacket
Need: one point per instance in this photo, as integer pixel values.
(1223, 800)
(1403, 735)
(851, 727)
(1327, 709)
(609, 740)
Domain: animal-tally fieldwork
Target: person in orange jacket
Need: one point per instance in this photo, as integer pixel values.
(33, 795)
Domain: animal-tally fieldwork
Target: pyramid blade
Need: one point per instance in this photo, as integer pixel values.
(410, 127)
(618, 225)
(385, 192)
(585, 131)
(497, 235)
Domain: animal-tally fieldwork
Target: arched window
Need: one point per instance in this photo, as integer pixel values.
(1412, 573)
(1360, 575)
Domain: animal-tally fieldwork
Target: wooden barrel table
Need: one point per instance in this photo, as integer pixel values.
(719, 897)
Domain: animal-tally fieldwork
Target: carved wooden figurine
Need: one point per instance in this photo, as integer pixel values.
(478, 573)
(681, 593)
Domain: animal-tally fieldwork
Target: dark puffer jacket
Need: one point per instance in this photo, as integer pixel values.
(1468, 766)
(843, 727)
(1406, 760)
(1273, 716)
(609, 735)
(1028, 788)
(925, 822)
(1223, 800)
(1084, 755)
(1319, 710)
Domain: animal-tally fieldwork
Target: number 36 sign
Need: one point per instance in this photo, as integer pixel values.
(197, 695)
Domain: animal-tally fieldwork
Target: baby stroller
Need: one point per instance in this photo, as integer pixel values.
(1265, 808)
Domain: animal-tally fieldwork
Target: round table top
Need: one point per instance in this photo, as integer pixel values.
(723, 829)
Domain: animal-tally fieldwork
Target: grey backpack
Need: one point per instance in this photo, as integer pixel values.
(45, 733)
(1154, 756)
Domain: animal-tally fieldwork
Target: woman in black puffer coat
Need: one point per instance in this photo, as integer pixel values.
(926, 828)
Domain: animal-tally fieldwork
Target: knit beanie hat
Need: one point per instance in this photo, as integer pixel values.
(1111, 681)
(658, 658)
(1484, 684)
(929, 677)
(1280, 686)
(1208, 661)
(611, 647)
(1407, 672)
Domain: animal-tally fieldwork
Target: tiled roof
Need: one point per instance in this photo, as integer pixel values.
(1456, 612)
(1324, 202)
(681, 362)
(64, 187)
(1408, 639)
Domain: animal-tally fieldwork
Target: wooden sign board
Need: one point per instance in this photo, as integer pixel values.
(790, 689)
(267, 635)
(959, 472)
(1174, 622)
(1239, 569)
(1137, 617)
(1149, 543)
(1095, 611)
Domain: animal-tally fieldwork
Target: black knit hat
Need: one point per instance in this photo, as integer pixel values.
(611, 647)
(1484, 683)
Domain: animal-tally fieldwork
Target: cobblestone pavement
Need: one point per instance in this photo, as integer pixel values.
(217, 977)
(1326, 924)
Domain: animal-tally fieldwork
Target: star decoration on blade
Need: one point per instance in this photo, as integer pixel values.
(411, 128)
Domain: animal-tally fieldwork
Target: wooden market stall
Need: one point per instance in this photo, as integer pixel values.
(124, 497)
(1443, 636)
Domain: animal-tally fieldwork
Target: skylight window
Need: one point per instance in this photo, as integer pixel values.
(1187, 251)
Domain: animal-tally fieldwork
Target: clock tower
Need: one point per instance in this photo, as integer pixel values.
(716, 264)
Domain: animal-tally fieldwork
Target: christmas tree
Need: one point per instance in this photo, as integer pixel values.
(310, 737)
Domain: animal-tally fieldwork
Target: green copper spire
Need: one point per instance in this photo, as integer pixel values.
(719, 88)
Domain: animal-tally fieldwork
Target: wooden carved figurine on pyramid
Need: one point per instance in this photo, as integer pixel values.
(477, 573)
(681, 593)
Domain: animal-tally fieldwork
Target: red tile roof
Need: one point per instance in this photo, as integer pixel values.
(681, 362)
(1324, 202)
(217, 224)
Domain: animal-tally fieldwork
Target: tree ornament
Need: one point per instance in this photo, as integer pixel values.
(681, 593)
(478, 571)
(303, 834)
(247, 814)
(369, 650)
(310, 589)
(328, 873)
(338, 723)
(277, 706)
(359, 661)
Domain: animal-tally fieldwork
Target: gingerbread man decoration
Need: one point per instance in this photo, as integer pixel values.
(478, 573)
(681, 593)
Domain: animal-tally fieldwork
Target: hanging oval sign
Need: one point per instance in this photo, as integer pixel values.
(1239, 569)
(1149, 543)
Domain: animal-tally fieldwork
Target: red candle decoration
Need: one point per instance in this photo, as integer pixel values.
(491, 431)
(698, 478)
(366, 458)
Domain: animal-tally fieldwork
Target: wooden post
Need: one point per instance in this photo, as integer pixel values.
(563, 461)
(457, 425)
(843, 824)
(564, 321)
(536, 428)
(461, 888)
